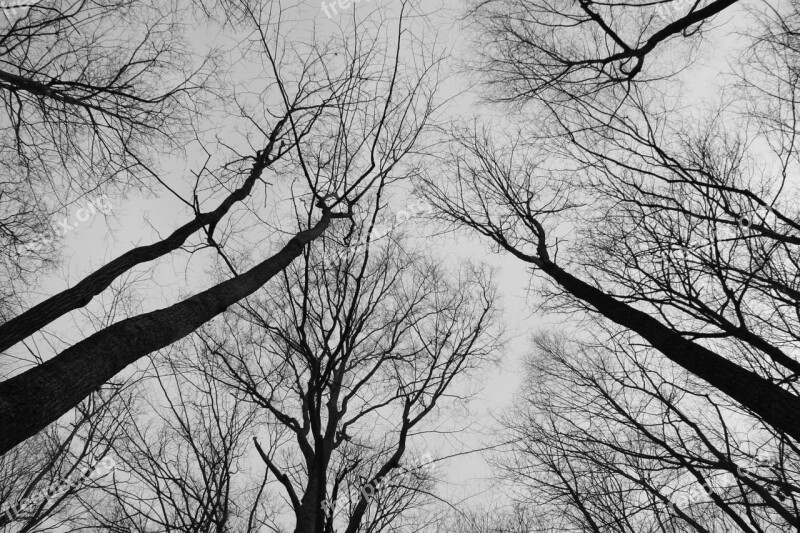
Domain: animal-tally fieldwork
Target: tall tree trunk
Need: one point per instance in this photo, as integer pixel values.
(310, 514)
(81, 294)
(38, 397)
(776, 406)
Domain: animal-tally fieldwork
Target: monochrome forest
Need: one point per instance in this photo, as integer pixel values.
(399, 266)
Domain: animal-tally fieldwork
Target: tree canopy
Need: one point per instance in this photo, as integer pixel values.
(329, 229)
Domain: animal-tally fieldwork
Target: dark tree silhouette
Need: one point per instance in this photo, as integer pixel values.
(317, 94)
(628, 443)
(182, 457)
(83, 109)
(359, 351)
(633, 189)
(562, 51)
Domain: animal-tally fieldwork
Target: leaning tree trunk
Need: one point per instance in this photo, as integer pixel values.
(38, 397)
(776, 406)
(82, 293)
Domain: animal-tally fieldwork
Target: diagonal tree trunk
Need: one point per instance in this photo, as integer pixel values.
(81, 294)
(38, 397)
(776, 406)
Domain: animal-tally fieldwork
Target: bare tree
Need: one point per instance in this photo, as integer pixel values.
(348, 357)
(628, 444)
(317, 94)
(496, 519)
(490, 194)
(183, 447)
(43, 478)
(84, 109)
(564, 51)
(632, 190)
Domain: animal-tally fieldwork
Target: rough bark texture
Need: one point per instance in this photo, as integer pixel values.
(81, 294)
(776, 406)
(38, 397)
(309, 515)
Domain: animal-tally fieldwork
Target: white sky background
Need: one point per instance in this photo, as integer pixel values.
(141, 219)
